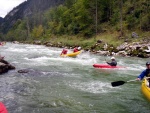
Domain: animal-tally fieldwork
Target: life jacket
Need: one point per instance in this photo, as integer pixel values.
(147, 72)
(75, 50)
(64, 51)
(113, 63)
(148, 75)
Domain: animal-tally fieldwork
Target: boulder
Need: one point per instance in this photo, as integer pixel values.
(122, 53)
(134, 35)
(122, 47)
(105, 53)
(99, 41)
(5, 66)
(147, 50)
(23, 71)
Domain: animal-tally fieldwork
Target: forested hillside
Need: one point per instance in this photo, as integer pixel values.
(27, 10)
(1, 19)
(81, 18)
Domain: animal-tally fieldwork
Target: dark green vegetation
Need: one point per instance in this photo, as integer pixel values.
(111, 21)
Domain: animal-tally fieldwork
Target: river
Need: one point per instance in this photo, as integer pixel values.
(69, 85)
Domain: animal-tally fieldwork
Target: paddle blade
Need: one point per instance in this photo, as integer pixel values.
(117, 83)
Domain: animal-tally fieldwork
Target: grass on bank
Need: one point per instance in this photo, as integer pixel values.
(111, 38)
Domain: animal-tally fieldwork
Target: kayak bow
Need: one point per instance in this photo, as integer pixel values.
(145, 89)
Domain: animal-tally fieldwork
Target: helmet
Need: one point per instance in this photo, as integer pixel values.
(112, 58)
(79, 48)
(148, 63)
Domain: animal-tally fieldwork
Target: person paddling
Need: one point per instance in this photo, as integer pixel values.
(145, 73)
(64, 51)
(113, 62)
(76, 49)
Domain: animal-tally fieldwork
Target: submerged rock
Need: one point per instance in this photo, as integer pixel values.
(23, 71)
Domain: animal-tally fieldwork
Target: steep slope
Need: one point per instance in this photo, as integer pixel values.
(1, 19)
(27, 9)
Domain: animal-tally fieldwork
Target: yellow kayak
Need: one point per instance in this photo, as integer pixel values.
(71, 54)
(146, 89)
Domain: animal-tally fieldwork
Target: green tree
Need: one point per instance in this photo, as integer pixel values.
(37, 32)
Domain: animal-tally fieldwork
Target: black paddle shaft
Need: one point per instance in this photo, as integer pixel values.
(117, 83)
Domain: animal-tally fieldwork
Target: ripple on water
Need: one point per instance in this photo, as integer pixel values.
(91, 86)
(68, 85)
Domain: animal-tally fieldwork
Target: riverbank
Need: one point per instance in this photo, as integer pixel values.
(135, 49)
(131, 44)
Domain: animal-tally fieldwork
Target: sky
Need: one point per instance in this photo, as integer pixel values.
(7, 5)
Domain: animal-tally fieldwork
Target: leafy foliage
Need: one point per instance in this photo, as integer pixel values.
(80, 18)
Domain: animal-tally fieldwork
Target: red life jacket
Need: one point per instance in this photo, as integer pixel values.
(75, 50)
(64, 51)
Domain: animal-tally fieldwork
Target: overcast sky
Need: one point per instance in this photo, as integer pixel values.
(7, 5)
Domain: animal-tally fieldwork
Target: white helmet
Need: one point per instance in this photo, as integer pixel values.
(79, 48)
(112, 58)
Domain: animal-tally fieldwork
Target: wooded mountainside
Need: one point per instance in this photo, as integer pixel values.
(1, 19)
(41, 19)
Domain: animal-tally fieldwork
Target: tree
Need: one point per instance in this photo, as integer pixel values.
(37, 32)
(121, 5)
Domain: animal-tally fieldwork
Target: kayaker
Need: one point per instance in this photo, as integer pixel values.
(145, 73)
(113, 62)
(76, 49)
(64, 51)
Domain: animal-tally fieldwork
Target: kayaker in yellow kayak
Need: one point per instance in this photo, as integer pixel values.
(113, 62)
(145, 73)
(76, 49)
(64, 51)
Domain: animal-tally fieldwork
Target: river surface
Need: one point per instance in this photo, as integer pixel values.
(68, 85)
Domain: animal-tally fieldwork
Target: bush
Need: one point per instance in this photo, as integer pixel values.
(145, 24)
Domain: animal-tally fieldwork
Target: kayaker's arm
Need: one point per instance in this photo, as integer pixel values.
(141, 76)
(108, 63)
(113, 63)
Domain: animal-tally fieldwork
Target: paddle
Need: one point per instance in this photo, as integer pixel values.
(118, 83)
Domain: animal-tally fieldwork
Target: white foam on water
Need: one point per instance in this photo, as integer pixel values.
(49, 59)
(38, 61)
(16, 50)
(91, 86)
(41, 55)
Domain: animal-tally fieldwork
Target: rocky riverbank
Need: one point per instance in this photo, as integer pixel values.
(134, 49)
